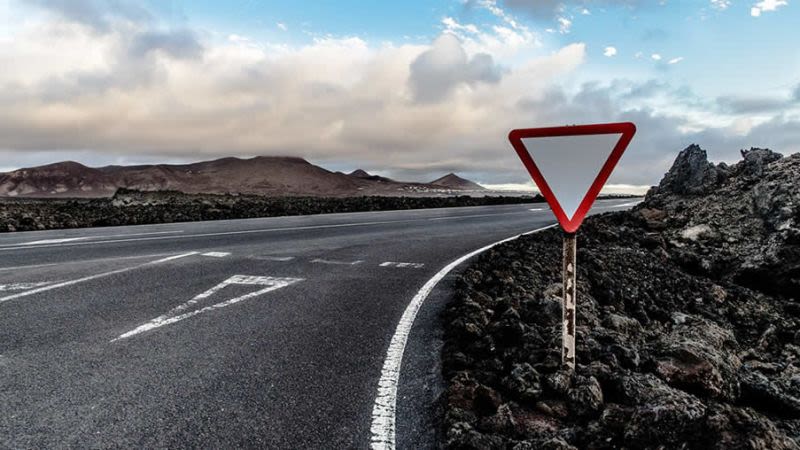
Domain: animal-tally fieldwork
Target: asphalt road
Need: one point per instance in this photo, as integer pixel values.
(264, 333)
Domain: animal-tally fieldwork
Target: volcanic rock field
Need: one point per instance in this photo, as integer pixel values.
(688, 323)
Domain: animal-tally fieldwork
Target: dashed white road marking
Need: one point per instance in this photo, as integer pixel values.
(216, 254)
(23, 286)
(336, 263)
(402, 265)
(477, 215)
(536, 209)
(84, 261)
(274, 258)
(385, 408)
(32, 266)
(269, 284)
(91, 277)
(53, 241)
(83, 238)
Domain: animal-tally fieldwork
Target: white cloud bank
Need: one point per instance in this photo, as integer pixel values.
(117, 85)
(94, 85)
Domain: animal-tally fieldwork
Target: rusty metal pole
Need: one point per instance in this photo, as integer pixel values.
(568, 307)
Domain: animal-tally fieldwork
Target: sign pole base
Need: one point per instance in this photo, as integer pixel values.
(568, 306)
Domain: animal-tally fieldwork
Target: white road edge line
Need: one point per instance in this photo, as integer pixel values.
(626, 205)
(91, 277)
(385, 408)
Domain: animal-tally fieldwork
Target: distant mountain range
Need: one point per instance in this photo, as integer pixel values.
(272, 176)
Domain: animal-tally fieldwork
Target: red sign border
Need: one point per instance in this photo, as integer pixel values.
(627, 129)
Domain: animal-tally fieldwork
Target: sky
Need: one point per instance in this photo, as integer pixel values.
(411, 89)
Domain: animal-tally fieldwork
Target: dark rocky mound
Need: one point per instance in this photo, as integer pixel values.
(688, 323)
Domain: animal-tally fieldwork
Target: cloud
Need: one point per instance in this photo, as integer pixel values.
(179, 44)
(564, 25)
(766, 6)
(445, 66)
(609, 51)
(551, 9)
(720, 4)
(654, 34)
(99, 15)
(656, 57)
(138, 93)
(675, 60)
(507, 39)
(282, 26)
(749, 105)
(737, 105)
(454, 27)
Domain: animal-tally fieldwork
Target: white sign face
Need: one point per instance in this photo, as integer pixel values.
(570, 164)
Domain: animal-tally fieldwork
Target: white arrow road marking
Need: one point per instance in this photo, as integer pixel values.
(336, 263)
(403, 265)
(269, 284)
(91, 277)
(23, 286)
(385, 409)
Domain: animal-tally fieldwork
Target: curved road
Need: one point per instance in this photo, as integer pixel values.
(267, 333)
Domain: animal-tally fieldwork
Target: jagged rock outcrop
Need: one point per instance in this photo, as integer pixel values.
(691, 174)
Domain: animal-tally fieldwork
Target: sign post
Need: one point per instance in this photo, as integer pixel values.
(568, 309)
(570, 165)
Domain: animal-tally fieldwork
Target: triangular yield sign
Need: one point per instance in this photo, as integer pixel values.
(571, 164)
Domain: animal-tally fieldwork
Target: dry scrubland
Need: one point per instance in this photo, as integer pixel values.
(688, 315)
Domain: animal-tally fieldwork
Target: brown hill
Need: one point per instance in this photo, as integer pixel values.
(453, 181)
(364, 175)
(271, 176)
(360, 173)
